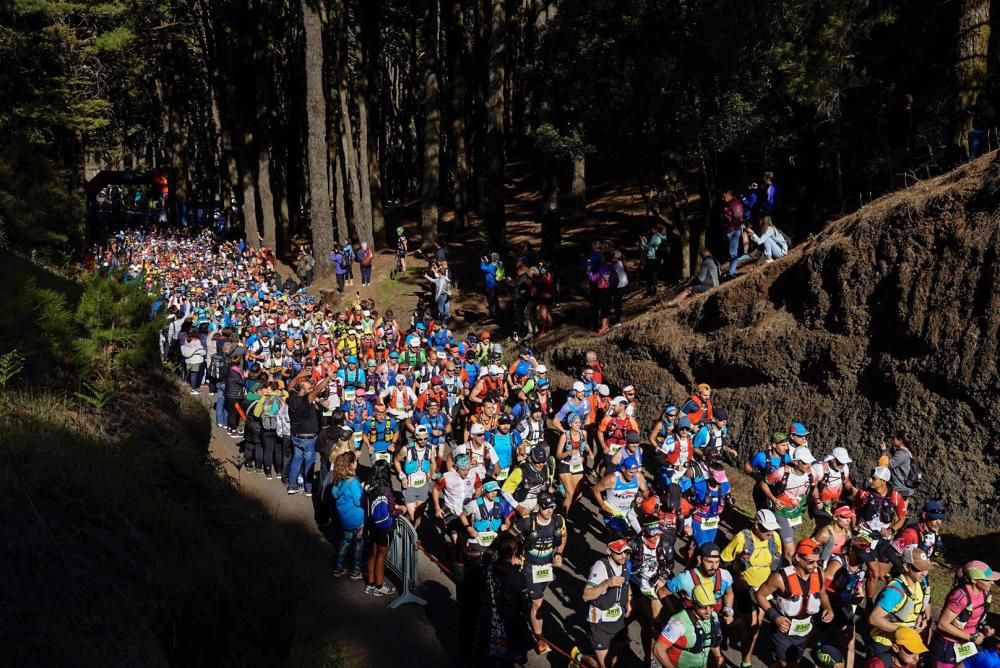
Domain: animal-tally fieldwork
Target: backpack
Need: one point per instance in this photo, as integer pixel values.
(742, 562)
(379, 513)
(501, 272)
(269, 410)
(663, 250)
(217, 367)
(915, 476)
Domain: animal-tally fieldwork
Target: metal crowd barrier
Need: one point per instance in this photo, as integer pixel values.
(402, 561)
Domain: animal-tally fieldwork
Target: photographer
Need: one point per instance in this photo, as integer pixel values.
(493, 274)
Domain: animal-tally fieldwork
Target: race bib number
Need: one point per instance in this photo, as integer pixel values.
(613, 448)
(648, 591)
(418, 479)
(795, 521)
(576, 465)
(612, 614)
(486, 538)
(800, 627)
(357, 439)
(502, 474)
(710, 523)
(542, 573)
(966, 650)
(383, 456)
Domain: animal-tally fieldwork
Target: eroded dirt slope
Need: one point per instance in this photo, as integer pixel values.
(887, 319)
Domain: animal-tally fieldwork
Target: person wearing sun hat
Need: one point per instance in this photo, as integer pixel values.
(608, 593)
(790, 489)
(903, 603)
(692, 637)
(961, 627)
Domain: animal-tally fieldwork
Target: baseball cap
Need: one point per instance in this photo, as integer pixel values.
(633, 437)
(621, 545)
(917, 558)
(709, 550)
(496, 370)
(704, 387)
(934, 509)
(578, 387)
(882, 473)
(620, 400)
(802, 454)
(477, 429)
(766, 519)
(909, 639)
(799, 429)
(703, 595)
(840, 454)
(684, 423)
(670, 410)
(630, 463)
(843, 511)
(979, 570)
(779, 437)
(491, 486)
(720, 414)
(628, 388)
(422, 430)
(541, 368)
(538, 455)
(463, 462)
(603, 390)
(546, 500)
(807, 546)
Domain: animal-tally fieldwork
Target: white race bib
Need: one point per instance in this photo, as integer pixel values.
(486, 538)
(966, 650)
(710, 523)
(795, 521)
(383, 456)
(800, 627)
(613, 448)
(418, 479)
(502, 474)
(542, 573)
(612, 614)
(576, 465)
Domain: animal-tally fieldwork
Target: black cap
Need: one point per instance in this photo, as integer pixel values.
(547, 500)
(505, 418)
(633, 437)
(538, 455)
(709, 550)
(720, 414)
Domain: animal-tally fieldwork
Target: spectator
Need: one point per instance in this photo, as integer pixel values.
(770, 239)
(619, 283)
(382, 513)
(440, 280)
(732, 216)
(493, 274)
(707, 278)
(346, 494)
(341, 267)
(900, 461)
(769, 202)
(600, 300)
(194, 354)
(653, 249)
(365, 256)
(349, 259)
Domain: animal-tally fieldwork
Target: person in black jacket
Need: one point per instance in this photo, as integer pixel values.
(503, 632)
(235, 389)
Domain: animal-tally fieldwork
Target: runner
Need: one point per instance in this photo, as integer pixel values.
(845, 586)
(616, 495)
(529, 480)
(763, 463)
(544, 535)
(571, 455)
(799, 601)
(693, 636)
(607, 591)
(506, 444)
(834, 482)
(962, 628)
(485, 517)
(905, 652)
(755, 554)
(881, 512)
(707, 571)
(652, 563)
(381, 435)
(416, 466)
(458, 485)
(903, 602)
(790, 489)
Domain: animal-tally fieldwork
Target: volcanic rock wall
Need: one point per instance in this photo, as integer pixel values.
(887, 319)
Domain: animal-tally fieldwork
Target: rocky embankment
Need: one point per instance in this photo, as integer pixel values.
(888, 319)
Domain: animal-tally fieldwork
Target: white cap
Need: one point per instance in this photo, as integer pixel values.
(496, 370)
(413, 341)
(296, 322)
(366, 313)
(882, 473)
(628, 388)
(766, 519)
(620, 400)
(802, 454)
(840, 454)
(541, 369)
(603, 390)
(422, 430)
(477, 429)
(578, 387)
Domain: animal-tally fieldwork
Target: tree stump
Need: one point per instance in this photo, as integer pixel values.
(329, 297)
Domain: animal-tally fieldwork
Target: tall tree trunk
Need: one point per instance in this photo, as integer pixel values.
(496, 222)
(432, 127)
(971, 67)
(458, 52)
(551, 220)
(578, 185)
(369, 48)
(264, 192)
(248, 181)
(319, 192)
(340, 207)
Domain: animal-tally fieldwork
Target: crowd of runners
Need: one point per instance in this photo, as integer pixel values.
(467, 439)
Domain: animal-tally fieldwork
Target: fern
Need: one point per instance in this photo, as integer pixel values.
(11, 364)
(97, 398)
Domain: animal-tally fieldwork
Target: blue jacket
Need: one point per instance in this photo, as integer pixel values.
(489, 273)
(346, 495)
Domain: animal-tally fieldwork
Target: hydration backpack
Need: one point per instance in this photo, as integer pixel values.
(379, 512)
